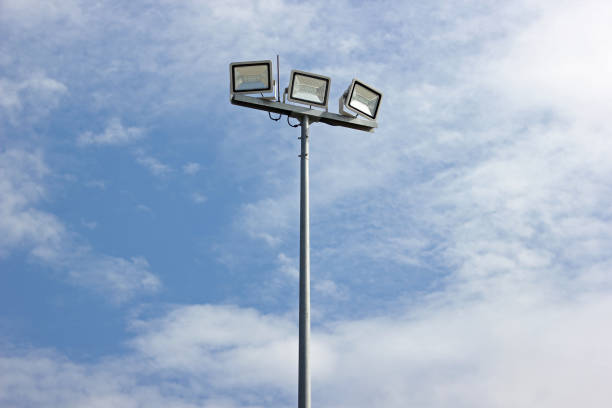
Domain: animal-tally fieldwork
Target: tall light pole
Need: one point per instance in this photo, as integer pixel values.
(304, 319)
(309, 89)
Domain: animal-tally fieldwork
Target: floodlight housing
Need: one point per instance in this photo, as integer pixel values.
(251, 77)
(361, 99)
(308, 88)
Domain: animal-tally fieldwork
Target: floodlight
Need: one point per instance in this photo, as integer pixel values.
(251, 77)
(361, 99)
(309, 89)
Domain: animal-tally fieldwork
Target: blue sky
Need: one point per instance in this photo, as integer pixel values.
(149, 228)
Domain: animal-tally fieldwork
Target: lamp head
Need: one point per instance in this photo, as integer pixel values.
(251, 77)
(309, 89)
(362, 99)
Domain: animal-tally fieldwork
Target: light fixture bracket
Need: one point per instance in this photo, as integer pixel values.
(341, 103)
(299, 112)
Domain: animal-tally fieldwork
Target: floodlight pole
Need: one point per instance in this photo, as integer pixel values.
(304, 319)
(306, 116)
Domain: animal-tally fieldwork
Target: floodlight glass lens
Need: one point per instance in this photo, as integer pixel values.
(364, 100)
(251, 77)
(309, 89)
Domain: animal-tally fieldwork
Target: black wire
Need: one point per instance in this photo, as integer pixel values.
(269, 114)
(289, 123)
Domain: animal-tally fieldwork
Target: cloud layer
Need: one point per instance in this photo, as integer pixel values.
(507, 352)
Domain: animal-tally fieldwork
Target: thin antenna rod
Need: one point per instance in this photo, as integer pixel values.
(278, 77)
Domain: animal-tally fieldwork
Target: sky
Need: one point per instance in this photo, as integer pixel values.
(149, 230)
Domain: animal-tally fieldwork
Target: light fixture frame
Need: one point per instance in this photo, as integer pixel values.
(271, 83)
(295, 72)
(346, 97)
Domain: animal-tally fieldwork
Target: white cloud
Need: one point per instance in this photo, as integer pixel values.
(21, 223)
(28, 13)
(30, 99)
(328, 287)
(42, 378)
(9, 97)
(144, 208)
(559, 61)
(114, 134)
(229, 346)
(89, 224)
(191, 168)
(288, 266)
(522, 349)
(46, 238)
(496, 353)
(502, 352)
(198, 198)
(153, 165)
(531, 206)
(120, 278)
(267, 219)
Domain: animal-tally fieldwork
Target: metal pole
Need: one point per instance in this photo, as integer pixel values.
(304, 347)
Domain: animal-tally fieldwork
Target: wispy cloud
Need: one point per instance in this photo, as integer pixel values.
(328, 287)
(50, 242)
(114, 134)
(288, 266)
(191, 168)
(153, 165)
(120, 278)
(37, 95)
(20, 222)
(198, 198)
(27, 15)
(144, 208)
(89, 224)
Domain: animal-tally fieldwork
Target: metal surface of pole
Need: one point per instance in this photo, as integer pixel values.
(304, 346)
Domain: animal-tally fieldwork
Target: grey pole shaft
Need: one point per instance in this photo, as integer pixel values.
(304, 347)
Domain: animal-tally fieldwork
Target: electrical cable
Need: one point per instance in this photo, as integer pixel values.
(270, 115)
(289, 123)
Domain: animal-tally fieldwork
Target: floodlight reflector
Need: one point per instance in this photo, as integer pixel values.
(251, 77)
(309, 89)
(363, 99)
